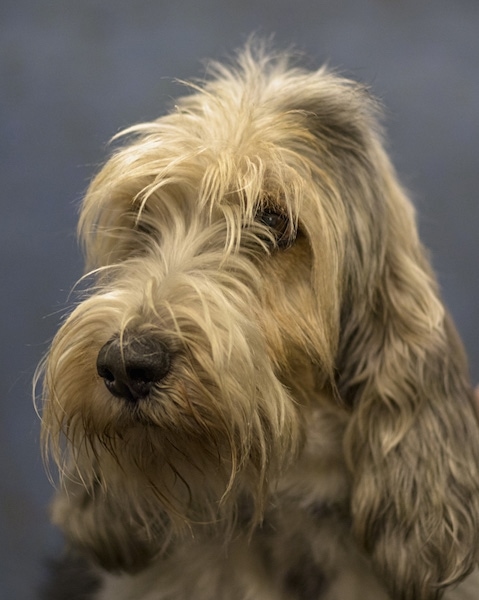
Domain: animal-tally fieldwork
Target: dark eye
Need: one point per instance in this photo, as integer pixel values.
(279, 224)
(145, 227)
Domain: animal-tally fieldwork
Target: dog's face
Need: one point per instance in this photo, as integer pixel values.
(201, 233)
(252, 253)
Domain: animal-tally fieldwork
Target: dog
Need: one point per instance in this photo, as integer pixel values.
(261, 395)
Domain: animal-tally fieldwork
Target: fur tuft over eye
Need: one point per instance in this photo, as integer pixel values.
(279, 224)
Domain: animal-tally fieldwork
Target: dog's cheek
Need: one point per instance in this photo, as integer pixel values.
(295, 329)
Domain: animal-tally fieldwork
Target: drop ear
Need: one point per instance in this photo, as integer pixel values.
(413, 437)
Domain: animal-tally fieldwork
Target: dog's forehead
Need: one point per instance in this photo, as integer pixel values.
(251, 136)
(275, 105)
(245, 131)
(228, 159)
(255, 134)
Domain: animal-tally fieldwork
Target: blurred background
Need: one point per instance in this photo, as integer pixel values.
(73, 73)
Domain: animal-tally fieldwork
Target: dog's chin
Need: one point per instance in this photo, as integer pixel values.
(163, 451)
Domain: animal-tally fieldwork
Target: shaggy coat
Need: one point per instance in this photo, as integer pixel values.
(261, 396)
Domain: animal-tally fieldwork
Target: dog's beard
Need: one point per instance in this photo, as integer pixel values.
(218, 428)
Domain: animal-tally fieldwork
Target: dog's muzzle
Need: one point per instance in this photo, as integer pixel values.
(131, 365)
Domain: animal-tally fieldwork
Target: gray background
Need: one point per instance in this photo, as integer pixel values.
(73, 73)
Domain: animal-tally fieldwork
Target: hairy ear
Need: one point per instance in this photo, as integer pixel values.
(413, 437)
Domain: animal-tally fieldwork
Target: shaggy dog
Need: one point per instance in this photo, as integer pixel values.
(262, 396)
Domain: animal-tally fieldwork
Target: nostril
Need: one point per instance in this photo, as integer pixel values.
(104, 372)
(131, 365)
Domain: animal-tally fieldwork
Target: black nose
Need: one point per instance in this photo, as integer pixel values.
(131, 365)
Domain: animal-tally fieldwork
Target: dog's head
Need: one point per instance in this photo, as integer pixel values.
(252, 251)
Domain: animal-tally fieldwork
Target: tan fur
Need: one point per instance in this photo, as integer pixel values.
(316, 431)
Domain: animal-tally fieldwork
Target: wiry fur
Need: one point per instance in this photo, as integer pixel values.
(315, 436)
